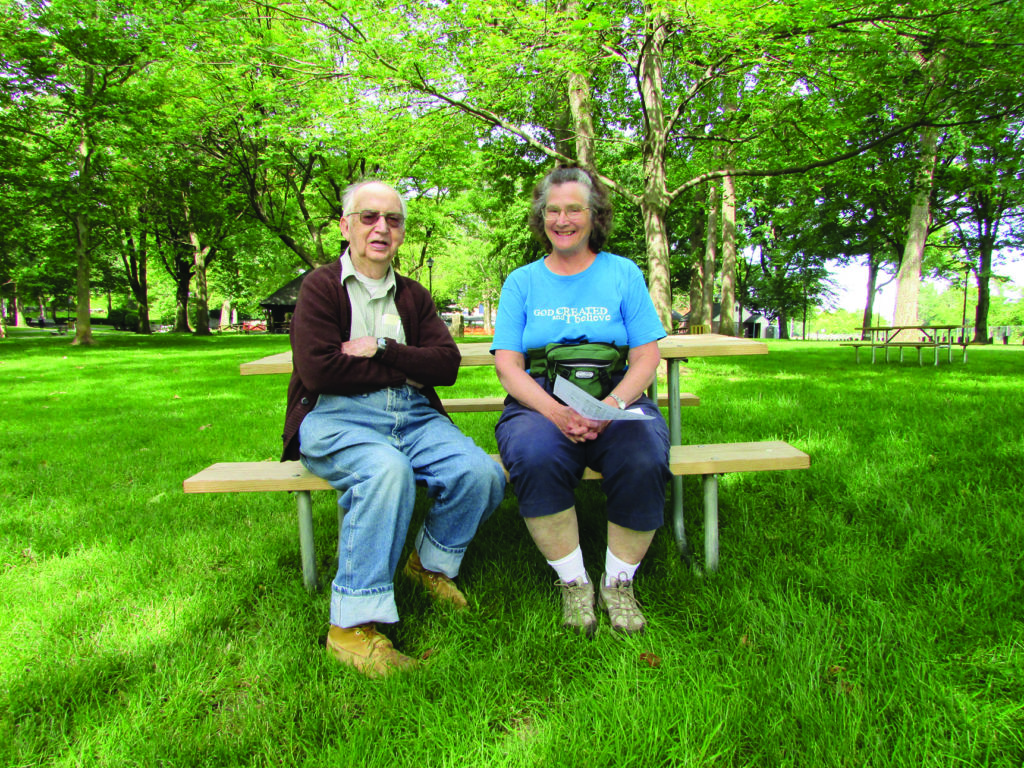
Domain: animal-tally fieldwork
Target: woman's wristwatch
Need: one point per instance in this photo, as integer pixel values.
(619, 400)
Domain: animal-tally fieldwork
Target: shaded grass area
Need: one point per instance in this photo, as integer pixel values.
(868, 611)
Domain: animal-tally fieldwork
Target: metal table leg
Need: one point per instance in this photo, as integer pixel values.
(304, 500)
(675, 434)
(711, 522)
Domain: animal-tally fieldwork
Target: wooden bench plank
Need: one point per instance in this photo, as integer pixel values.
(261, 476)
(720, 458)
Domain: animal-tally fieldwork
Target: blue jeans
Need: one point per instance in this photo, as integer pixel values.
(373, 449)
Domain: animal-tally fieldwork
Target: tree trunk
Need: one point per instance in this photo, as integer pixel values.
(225, 313)
(83, 323)
(144, 326)
(202, 296)
(727, 314)
(783, 325)
(696, 249)
(655, 200)
(19, 310)
(201, 258)
(579, 103)
(562, 132)
(869, 304)
(710, 257)
(984, 275)
(135, 260)
(697, 293)
(582, 118)
(182, 275)
(488, 312)
(909, 278)
(658, 259)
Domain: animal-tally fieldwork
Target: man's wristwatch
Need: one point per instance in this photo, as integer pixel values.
(619, 400)
(382, 344)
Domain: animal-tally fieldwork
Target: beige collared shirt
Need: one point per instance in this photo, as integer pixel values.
(373, 303)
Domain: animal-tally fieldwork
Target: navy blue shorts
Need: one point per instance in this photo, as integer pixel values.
(545, 467)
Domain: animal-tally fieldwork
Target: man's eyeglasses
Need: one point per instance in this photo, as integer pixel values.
(572, 212)
(369, 218)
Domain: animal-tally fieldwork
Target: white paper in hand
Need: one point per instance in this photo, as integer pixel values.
(590, 407)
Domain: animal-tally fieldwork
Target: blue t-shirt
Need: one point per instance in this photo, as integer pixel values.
(608, 301)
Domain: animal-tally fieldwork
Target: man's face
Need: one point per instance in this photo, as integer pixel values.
(373, 246)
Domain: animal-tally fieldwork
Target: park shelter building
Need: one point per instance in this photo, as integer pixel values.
(754, 324)
(279, 306)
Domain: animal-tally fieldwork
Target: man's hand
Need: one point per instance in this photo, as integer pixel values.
(365, 346)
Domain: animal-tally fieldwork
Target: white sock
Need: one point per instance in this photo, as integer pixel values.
(570, 567)
(617, 570)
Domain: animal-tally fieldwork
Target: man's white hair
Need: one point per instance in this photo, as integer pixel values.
(348, 197)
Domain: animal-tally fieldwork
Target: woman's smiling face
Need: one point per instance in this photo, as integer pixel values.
(569, 230)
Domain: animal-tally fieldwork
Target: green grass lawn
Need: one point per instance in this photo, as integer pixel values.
(868, 611)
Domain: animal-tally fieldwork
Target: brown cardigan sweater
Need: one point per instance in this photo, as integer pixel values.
(321, 323)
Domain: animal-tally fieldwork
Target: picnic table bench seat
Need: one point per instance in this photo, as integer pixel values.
(708, 461)
(901, 345)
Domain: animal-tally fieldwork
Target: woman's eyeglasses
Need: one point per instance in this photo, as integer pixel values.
(369, 218)
(572, 212)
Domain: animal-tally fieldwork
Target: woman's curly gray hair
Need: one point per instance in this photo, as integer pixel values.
(600, 205)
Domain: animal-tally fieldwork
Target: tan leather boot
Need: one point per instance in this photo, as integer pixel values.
(367, 650)
(438, 585)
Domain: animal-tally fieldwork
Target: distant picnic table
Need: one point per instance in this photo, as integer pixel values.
(919, 337)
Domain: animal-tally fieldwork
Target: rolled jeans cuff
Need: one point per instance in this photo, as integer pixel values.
(436, 557)
(353, 610)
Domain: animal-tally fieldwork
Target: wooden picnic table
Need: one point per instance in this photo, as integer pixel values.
(888, 337)
(673, 349)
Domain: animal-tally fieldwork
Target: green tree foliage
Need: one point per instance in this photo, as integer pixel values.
(71, 69)
(216, 138)
(987, 205)
(789, 273)
(695, 91)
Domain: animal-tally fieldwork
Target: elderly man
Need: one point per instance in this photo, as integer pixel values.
(368, 349)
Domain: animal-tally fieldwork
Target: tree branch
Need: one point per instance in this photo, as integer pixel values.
(795, 169)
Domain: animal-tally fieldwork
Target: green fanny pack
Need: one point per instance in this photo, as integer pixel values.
(588, 365)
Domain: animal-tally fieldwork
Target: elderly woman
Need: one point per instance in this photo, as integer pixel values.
(580, 297)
